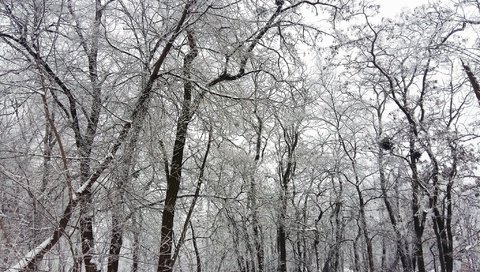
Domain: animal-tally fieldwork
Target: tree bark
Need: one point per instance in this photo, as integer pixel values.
(332, 261)
(366, 236)
(473, 80)
(165, 260)
(195, 248)
(286, 173)
(257, 238)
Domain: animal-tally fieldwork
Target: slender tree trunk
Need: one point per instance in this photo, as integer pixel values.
(286, 173)
(473, 81)
(236, 242)
(121, 181)
(116, 241)
(85, 142)
(87, 214)
(366, 237)
(442, 222)
(448, 220)
(195, 248)
(165, 261)
(332, 261)
(281, 234)
(257, 236)
(86, 231)
(417, 213)
(316, 242)
(356, 257)
(187, 223)
(399, 241)
(136, 222)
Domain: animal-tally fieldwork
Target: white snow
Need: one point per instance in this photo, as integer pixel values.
(21, 265)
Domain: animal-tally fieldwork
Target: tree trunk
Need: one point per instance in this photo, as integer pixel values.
(187, 223)
(417, 214)
(473, 81)
(286, 172)
(121, 181)
(86, 231)
(281, 235)
(402, 249)
(116, 241)
(333, 257)
(366, 237)
(257, 236)
(165, 261)
(442, 222)
(195, 247)
(356, 257)
(136, 222)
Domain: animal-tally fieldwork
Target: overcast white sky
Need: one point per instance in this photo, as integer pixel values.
(390, 8)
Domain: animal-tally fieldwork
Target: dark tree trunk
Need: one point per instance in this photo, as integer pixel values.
(442, 222)
(281, 241)
(356, 257)
(364, 229)
(116, 241)
(165, 261)
(257, 236)
(188, 223)
(286, 171)
(86, 231)
(332, 261)
(236, 242)
(136, 242)
(418, 215)
(402, 249)
(195, 247)
(473, 80)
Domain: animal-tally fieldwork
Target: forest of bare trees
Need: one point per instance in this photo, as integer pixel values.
(239, 135)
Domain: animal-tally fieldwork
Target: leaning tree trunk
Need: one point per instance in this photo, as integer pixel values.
(473, 80)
